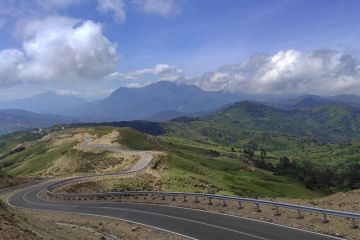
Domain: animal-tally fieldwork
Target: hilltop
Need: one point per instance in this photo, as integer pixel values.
(67, 152)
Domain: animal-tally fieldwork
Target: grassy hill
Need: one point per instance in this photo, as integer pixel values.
(58, 153)
(203, 166)
(321, 143)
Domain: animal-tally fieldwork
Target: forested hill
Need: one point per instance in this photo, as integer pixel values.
(327, 124)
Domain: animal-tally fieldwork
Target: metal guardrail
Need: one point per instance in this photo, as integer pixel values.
(103, 195)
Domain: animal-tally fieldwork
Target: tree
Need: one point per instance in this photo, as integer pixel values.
(284, 166)
(249, 152)
(263, 153)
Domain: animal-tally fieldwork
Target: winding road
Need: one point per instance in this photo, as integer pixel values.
(189, 223)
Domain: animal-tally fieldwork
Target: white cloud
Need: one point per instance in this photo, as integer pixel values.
(11, 63)
(163, 8)
(67, 92)
(291, 71)
(135, 85)
(117, 7)
(12, 10)
(158, 72)
(58, 49)
(159, 7)
(88, 93)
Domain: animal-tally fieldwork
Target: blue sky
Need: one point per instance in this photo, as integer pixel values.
(213, 44)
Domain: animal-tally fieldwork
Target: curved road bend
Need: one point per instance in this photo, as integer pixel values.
(194, 224)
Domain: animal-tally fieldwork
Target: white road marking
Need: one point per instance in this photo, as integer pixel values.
(117, 218)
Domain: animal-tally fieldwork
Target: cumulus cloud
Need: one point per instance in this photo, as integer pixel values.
(117, 7)
(159, 7)
(291, 71)
(159, 72)
(58, 49)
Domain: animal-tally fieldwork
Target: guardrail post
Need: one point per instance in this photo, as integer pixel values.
(224, 202)
(300, 216)
(277, 212)
(325, 220)
(185, 200)
(210, 202)
(135, 196)
(257, 207)
(196, 199)
(353, 224)
(163, 197)
(240, 205)
(173, 198)
(152, 197)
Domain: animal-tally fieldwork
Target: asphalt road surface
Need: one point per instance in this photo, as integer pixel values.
(144, 160)
(188, 222)
(191, 223)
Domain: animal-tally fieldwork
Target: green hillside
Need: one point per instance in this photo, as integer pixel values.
(322, 143)
(251, 121)
(203, 166)
(57, 153)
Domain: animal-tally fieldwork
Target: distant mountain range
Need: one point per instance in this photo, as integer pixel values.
(160, 101)
(14, 120)
(48, 103)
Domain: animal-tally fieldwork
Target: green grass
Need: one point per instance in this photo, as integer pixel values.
(7, 142)
(190, 167)
(134, 139)
(35, 160)
(100, 130)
